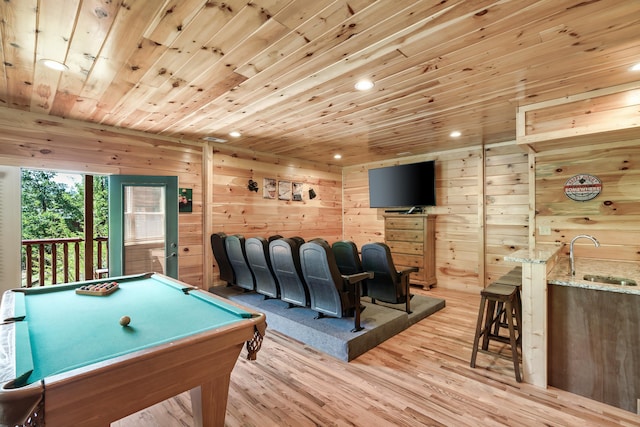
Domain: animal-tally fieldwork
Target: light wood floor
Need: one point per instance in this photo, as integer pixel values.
(420, 377)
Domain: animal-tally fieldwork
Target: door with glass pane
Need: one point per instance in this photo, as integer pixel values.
(143, 225)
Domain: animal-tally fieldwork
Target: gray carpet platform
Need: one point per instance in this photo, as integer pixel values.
(330, 335)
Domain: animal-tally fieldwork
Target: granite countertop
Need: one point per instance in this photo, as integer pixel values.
(537, 255)
(561, 274)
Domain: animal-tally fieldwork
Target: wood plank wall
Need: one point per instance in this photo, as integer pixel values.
(507, 206)
(472, 235)
(613, 217)
(38, 141)
(236, 210)
(459, 234)
(599, 116)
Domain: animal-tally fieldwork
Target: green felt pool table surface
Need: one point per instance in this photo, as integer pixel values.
(67, 344)
(68, 330)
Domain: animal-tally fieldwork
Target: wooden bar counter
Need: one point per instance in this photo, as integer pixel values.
(593, 346)
(536, 265)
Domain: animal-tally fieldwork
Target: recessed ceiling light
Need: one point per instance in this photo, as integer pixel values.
(455, 134)
(337, 156)
(235, 134)
(364, 85)
(636, 67)
(54, 65)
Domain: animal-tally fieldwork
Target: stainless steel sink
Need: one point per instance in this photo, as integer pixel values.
(610, 280)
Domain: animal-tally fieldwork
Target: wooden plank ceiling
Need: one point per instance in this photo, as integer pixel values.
(282, 72)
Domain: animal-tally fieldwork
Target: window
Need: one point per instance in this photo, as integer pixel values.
(144, 215)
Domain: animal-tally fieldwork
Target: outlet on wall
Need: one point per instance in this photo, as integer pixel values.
(544, 230)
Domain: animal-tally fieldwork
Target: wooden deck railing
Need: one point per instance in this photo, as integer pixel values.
(52, 261)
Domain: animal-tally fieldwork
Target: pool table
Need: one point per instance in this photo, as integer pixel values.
(65, 358)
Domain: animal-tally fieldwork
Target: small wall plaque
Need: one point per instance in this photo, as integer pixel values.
(582, 187)
(284, 190)
(269, 188)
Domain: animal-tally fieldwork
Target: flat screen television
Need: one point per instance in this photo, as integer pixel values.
(410, 185)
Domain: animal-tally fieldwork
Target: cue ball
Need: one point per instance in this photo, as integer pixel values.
(124, 320)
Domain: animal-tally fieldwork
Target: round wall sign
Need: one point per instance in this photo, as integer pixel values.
(582, 187)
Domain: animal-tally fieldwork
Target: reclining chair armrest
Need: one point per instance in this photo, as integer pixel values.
(408, 270)
(352, 284)
(358, 277)
(404, 278)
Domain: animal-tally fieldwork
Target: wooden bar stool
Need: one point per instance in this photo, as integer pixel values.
(488, 316)
(512, 278)
(501, 315)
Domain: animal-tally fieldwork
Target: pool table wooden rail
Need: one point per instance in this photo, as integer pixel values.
(16, 403)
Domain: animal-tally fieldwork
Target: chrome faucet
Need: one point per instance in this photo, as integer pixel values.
(571, 257)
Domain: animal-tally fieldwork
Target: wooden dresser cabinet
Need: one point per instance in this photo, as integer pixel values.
(411, 239)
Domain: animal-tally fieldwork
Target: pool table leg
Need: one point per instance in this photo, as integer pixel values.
(209, 402)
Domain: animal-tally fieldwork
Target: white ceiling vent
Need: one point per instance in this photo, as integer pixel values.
(214, 139)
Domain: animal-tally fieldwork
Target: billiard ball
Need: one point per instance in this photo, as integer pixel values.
(124, 320)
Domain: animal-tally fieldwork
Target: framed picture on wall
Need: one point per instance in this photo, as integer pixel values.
(185, 200)
(269, 188)
(296, 191)
(284, 190)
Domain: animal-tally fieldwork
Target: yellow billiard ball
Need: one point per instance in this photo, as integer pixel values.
(124, 320)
